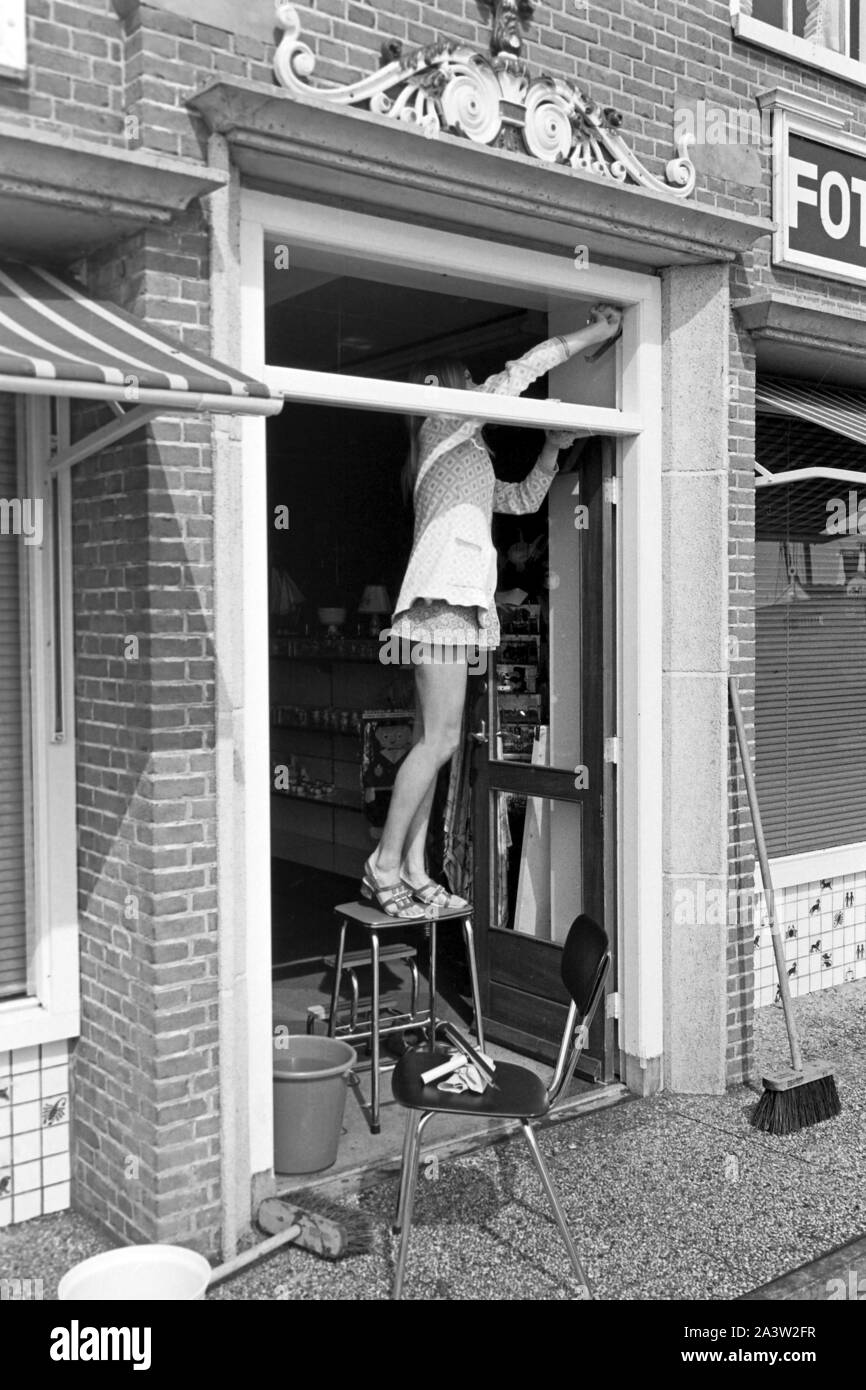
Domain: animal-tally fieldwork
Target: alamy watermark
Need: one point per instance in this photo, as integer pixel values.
(854, 1289)
(446, 648)
(78, 1343)
(707, 123)
(846, 518)
(703, 903)
(22, 516)
(21, 1290)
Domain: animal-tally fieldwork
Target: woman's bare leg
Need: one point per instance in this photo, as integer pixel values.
(441, 688)
(414, 850)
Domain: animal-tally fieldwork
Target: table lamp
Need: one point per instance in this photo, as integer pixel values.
(375, 601)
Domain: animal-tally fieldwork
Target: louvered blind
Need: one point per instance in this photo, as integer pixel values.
(810, 677)
(14, 762)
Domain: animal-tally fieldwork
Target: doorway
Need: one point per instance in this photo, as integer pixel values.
(339, 536)
(619, 397)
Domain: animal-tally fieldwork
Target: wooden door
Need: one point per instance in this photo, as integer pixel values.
(544, 791)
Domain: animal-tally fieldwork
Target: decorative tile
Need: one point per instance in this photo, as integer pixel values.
(34, 1131)
(26, 1117)
(55, 1169)
(25, 1059)
(55, 1198)
(26, 1147)
(55, 1079)
(823, 925)
(54, 1053)
(25, 1087)
(26, 1205)
(55, 1140)
(55, 1109)
(28, 1178)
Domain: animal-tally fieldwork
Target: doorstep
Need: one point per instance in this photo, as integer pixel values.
(365, 1159)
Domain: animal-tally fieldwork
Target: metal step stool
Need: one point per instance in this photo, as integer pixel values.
(359, 1010)
(373, 922)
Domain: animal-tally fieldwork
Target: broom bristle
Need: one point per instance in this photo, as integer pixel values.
(786, 1112)
(329, 1230)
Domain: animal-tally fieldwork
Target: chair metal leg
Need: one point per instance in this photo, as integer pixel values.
(338, 972)
(469, 938)
(413, 1119)
(374, 1036)
(433, 983)
(410, 1182)
(557, 1209)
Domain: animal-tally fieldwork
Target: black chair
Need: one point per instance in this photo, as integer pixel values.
(519, 1095)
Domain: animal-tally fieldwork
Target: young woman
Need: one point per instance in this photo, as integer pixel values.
(446, 607)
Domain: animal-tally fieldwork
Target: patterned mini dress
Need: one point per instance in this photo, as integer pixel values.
(456, 477)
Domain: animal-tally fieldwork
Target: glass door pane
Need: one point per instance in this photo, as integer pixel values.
(538, 670)
(537, 880)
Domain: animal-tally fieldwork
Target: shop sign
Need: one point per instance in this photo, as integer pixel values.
(819, 199)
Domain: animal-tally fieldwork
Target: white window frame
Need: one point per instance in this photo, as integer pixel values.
(13, 39)
(810, 866)
(637, 424)
(50, 1009)
(789, 45)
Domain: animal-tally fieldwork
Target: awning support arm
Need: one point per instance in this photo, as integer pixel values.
(806, 475)
(105, 436)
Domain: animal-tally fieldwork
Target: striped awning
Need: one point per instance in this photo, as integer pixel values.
(57, 340)
(831, 407)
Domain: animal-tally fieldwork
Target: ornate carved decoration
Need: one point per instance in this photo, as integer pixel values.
(448, 87)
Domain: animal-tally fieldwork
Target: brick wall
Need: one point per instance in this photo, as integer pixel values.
(74, 82)
(168, 58)
(145, 1072)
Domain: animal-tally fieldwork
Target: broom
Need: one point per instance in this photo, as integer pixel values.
(331, 1232)
(804, 1094)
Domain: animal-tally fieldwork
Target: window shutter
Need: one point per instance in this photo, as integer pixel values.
(15, 839)
(810, 647)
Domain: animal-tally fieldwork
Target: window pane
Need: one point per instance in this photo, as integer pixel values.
(537, 879)
(857, 27)
(824, 22)
(799, 17)
(334, 314)
(539, 675)
(14, 761)
(770, 12)
(810, 643)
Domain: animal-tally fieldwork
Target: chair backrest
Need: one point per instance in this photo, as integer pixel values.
(586, 960)
(583, 962)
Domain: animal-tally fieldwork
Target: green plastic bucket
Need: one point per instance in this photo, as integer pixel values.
(311, 1076)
